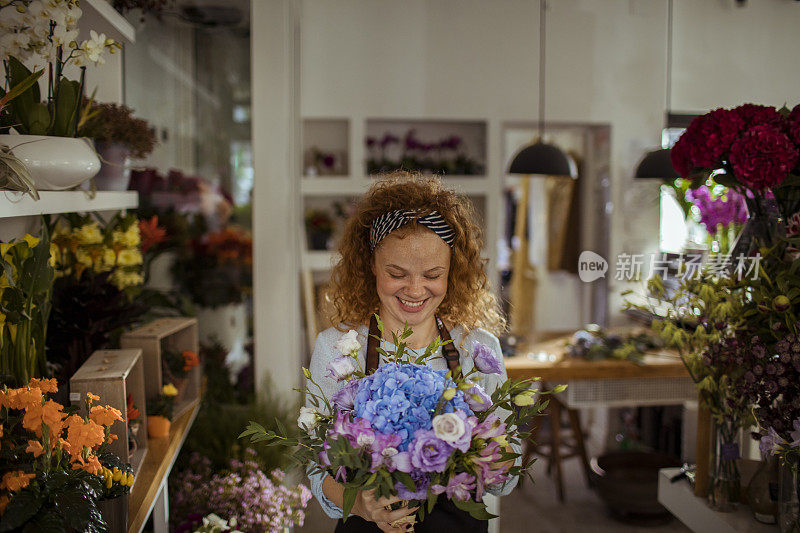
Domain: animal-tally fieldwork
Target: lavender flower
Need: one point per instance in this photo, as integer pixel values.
(345, 397)
(477, 399)
(421, 482)
(341, 367)
(485, 359)
(458, 487)
(428, 452)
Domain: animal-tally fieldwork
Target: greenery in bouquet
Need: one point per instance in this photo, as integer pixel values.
(26, 281)
(258, 502)
(594, 344)
(53, 464)
(216, 268)
(164, 403)
(111, 123)
(45, 35)
(412, 431)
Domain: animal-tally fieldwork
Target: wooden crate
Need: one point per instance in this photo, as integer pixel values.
(111, 375)
(173, 333)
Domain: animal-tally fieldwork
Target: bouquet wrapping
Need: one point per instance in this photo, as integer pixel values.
(410, 431)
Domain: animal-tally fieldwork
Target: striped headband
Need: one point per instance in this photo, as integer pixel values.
(388, 222)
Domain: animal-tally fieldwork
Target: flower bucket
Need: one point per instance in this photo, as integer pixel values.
(55, 163)
(158, 426)
(113, 175)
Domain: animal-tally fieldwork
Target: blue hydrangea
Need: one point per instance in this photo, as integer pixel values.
(400, 399)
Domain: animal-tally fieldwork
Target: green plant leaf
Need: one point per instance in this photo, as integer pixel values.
(49, 521)
(23, 104)
(67, 105)
(348, 499)
(79, 509)
(21, 508)
(38, 119)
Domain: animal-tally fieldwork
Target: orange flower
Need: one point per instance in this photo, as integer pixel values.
(35, 447)
(91, 465)
(105, 416)
(65, 445)
(93, 397)
(53, 416)
(112, 437)
(1, 430)
(45, 385)
(32, 420)
(190, 360)
(4, 499)
(16, 481)
(81, 433)
(22, 398)
(151, 233)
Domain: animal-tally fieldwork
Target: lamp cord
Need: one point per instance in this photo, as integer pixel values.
(542, 26)
(669, 59)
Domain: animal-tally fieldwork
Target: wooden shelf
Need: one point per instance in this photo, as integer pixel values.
(102, 18)
(694, 512)
(17, 204)
(161, 455)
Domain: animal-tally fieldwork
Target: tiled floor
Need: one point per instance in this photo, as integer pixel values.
(535, 508)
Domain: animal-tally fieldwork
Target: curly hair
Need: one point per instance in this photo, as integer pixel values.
(468, 301)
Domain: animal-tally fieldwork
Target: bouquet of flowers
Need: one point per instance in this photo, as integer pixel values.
(410, 431)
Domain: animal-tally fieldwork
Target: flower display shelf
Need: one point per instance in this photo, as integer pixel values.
(694, 512)
(17, 204)
(100, 16)
(173, 333)
(112, 375)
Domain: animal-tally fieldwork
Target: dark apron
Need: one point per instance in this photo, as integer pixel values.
(445, 516)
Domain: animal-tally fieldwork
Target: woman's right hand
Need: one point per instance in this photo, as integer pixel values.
(375, 510)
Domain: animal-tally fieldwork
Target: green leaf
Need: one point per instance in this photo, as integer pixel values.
(38, 119)
(23, 104)
(348, 499)
(21, 508)
(67, 104)
(49, 521)
(475, 509)
(19, 88)
(78, 508)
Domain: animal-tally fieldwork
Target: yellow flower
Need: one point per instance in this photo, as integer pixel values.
(31, 240)
(169, 390)
(88, 234)
(129, 258)
(108, 260)
(129, 238)
(4, 247)
(83, 257)
(123, 279)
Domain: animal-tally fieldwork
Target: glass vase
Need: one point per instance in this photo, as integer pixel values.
(763, 227)
(762, 491)
(725, 482)
(788, 504)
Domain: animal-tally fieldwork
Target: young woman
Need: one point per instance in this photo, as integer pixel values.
(411, 254)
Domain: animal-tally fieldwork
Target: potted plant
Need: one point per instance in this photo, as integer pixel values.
(159, 412)
(319, 228)
(177, 366)
(117, 135)
(54, 469)
(47, 127)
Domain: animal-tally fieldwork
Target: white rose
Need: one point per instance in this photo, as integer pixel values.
(341, 367)
(348, 343)
(308, 419)
(449, 427)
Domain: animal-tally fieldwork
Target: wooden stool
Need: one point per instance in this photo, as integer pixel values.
(563, 443)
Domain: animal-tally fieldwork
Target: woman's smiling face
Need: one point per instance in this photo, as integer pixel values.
(411, 269)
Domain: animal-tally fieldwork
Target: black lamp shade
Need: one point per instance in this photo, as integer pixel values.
(656, 165)
(544, 159)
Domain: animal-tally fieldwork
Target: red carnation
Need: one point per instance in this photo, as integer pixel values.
(763, 157)
(681, 154)
(716, 130)
(794, 124)
(756, 115)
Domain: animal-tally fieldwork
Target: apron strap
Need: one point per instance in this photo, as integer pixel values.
(449, 352)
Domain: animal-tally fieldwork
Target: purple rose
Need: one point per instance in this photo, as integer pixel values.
(458, 487)
(473, 395)
(428, 452)
(345, 397)
(485, 359)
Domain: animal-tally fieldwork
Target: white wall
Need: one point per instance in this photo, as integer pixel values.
(606, 63)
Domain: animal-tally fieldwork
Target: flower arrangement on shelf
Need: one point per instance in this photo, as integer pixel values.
(323, 163)
(177, 366)
(26, 280)
(45, 35)
(159, 411)
(215, 269)
(439, 157)
(450, 439)
(54, 468)
(319, 228)
(258, 501)
(594, 344)
(111, 124)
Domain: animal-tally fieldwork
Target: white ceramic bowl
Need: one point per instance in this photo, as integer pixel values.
(55, 163)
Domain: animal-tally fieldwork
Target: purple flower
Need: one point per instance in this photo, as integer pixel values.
(474, 404)
(358, 431)
(458, 487)
(385, 453)
(421, 482)
(485, 359)
(428, 452)
(341, 367)
(489, 428)
(345, 397)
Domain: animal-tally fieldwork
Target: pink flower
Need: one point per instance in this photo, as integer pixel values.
(458, 487)
(763, 157)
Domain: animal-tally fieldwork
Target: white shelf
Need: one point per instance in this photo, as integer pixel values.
(105, 19)
(17, 204)
(694, 512)
(319, 260)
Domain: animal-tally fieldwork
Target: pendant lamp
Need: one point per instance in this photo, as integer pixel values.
(540, 157)
(657, 164)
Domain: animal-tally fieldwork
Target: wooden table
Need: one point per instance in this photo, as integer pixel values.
(149, 492)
